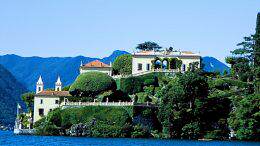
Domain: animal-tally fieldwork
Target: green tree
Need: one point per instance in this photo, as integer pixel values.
(148, 46)
(195, 86)
(245, 118)
(257, 55)
(191, 130)
(246, 58)
(28, 99)
(194, 66)
(91, 84)
(172, 109)
(123, 64)
(180, 100)
(66, 88)
(257, 42)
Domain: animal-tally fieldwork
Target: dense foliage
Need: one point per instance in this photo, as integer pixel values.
(245, 118)
(179, 102)
(132, 85)
(98, 121)
(28, 99)
(104, 121)
(148, 46)
(91, 84)
(123, 65)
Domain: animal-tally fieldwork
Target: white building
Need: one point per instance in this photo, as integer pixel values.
(46, 101)
(96, 66)
(146, 61)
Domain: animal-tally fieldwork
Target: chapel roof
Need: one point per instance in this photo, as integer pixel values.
(96, 63)
(54, 93)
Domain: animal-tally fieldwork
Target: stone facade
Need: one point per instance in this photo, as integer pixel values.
(46, 101)
(143, 61)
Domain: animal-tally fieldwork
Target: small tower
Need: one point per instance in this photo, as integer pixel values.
(39, 85)
(81, 63)
(58, 84)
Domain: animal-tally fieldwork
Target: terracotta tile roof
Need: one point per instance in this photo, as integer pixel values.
(54, 93)
(96, 63)
(187, 52)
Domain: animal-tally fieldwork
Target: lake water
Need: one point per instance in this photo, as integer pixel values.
(7, 138)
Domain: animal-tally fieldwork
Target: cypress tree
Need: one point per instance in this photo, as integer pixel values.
(257, 54)
(257, 42)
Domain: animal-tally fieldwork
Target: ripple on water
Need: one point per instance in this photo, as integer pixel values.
(7, 138)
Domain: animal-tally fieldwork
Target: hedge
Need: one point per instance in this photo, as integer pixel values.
(91, 84)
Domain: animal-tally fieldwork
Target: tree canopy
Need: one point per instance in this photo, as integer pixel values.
(179, 100)
(28, 98)
(148, 46)
(123, 65)
(245, 119)
(91, 84)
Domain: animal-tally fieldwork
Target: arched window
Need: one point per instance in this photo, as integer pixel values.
(165, 64)
(183, 67)
(157, 64)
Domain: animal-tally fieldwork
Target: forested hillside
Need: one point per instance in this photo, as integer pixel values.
(10, 91)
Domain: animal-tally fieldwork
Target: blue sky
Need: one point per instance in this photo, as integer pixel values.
(97, 27)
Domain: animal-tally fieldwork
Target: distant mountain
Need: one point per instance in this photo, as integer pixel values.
(28, 69)
(10, 91)
(113, 56)
(211, 64)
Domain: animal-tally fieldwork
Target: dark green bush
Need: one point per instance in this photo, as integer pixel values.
(131, 85)
(115, 96)
(123, 65)
(140, 132)
(109, 121)
(216, 134)
(91, 84)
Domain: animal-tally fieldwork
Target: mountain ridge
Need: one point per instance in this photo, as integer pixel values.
(10, 92)
(28, 69)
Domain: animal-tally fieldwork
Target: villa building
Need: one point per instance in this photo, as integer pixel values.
(96, 66)
(142, 62)
(165, 61)
(46, 101)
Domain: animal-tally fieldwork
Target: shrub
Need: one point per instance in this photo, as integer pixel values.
(91, 84)
(191, 131)
(123, 64)
(115, 96)
(216, 134)
(108, 121)
(140, 132)
(143, 97)
(131, 85)
(149, 82)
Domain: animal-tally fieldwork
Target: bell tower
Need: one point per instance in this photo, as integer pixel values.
(39, 85)
(58, 84)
